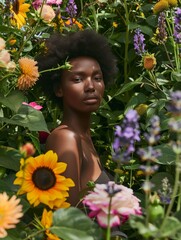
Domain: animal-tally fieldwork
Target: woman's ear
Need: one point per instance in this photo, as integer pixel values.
(59, 92)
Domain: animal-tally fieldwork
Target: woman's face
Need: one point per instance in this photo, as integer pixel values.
(82, 87)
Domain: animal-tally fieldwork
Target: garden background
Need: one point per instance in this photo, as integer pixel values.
(145, 37)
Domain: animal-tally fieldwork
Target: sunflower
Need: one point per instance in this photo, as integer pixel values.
(40, 178)
(19, 10)
(46, 222)
(10, 213)
(29, 74)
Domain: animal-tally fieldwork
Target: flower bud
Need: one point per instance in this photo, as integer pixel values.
(27, 149)
(149, 62)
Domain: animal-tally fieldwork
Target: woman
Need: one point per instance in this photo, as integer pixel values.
(80, 90)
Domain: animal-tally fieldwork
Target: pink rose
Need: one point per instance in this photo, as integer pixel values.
(2, 43)
(33, 105)
(47, 13)
(123, 204)
(4, 58)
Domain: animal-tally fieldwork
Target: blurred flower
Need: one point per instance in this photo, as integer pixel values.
(115, 25)
(73, 21)
(33, 105)
(46, 13)
(160, 6)
(46, 221)
(27, 150)
(139, 45)
(4, 58)
(165, 192)
(40, 178)
(12, 42)
(149, 61)
(10, 213)
(126, 135)
(161, 34)
(149, 154)
(141, 108)
(147, 186)
(149, 170)
(123, 204)
(11, 66)
(153, 131)
(19, 9)
(172, 3)
(37, 3)
(71, 9)
(177, 26)
(2, 44)
(29, 73)
(175, 103)
(43, 137)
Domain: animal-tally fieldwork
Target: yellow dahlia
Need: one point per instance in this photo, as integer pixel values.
(39, 177)
(10, 213)
(160, 6)
(19, 10)
(46, 222)
(29, 74)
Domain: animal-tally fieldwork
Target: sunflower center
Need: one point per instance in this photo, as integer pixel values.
(44, 178)
(16, 6)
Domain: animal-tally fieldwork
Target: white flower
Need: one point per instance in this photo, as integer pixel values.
(4, 58)
(2, 43)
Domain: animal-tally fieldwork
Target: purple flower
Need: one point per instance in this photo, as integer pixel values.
(139, 45)
(153, 132)
(126, 135)
(175, 102)
(162, 33)
(123, 204)
(149, 154)
(71, 9)
(177, 26)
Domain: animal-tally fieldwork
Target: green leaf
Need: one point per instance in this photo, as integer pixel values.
(137, 99)
(176, 76)
(10, 158)
(171, 226)
(28, 117)
(73, 224)
(13, 100)
(168, 156)
(128, 86)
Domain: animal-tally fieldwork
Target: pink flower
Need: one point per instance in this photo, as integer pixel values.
(47, 13)
(38, 3)
(27, 150)
(33, 105)
(2, 43)
(123, 204)
(4, 58)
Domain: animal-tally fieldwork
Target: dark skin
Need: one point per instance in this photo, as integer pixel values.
(82, 89)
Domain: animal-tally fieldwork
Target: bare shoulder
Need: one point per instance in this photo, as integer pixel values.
(63, 138)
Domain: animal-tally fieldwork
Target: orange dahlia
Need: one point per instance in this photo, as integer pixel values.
(40, 178)
(29, 74)
(10, 213)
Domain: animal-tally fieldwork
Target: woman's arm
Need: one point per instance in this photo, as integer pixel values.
(68, 148)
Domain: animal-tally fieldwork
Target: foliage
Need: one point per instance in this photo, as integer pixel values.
(147, 75)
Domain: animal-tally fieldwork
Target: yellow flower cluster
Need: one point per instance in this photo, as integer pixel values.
(164, 5)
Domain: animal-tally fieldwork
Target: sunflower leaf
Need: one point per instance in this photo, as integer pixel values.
(73, 224)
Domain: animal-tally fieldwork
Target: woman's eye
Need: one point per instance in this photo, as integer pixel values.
(98, 78)
(77, 79)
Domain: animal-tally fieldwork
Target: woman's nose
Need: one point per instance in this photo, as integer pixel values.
(89, 85)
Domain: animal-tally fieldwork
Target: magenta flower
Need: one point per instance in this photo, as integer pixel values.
(33, 105)
(123, 204)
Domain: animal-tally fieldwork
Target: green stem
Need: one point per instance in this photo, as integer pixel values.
(174, 194)
(126, 42)
(108, 232)
(34, 234)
